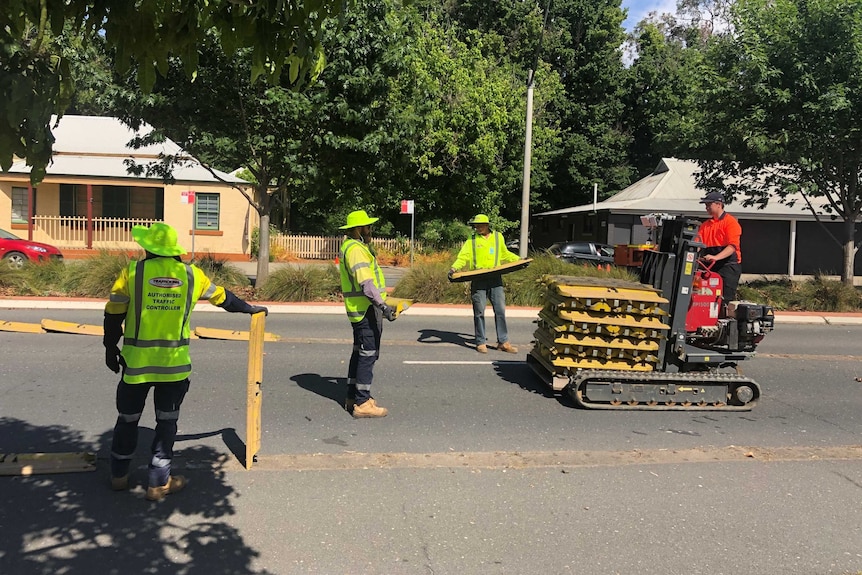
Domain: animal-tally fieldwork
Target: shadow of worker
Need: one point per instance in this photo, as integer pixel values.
(440, 336)
(334, 388)
(73, 523)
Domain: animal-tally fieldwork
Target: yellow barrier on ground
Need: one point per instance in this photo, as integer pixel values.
(21, 327)
(72, 327)
(214, 333)
(36, 463)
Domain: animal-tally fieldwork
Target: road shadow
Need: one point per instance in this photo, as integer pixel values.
(73, 523)
(439, 336)
(333, 388)
(521, 374)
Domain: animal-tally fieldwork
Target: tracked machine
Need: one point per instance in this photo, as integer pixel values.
(666, 343)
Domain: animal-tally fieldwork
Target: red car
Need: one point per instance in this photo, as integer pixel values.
(16, 252)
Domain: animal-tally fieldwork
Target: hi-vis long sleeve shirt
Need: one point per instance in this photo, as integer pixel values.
(480, 252)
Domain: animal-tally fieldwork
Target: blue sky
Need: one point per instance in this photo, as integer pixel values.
(640, 8)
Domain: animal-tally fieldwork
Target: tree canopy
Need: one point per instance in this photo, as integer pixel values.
(38, 37)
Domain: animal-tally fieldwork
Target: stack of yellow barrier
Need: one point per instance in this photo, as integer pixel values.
(598, 323)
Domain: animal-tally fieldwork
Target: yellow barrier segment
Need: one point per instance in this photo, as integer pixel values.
(591, 340)
(214, 333)
(607, 305)
(621, 320)
(71, 327)
(21, 327)
(610, 293)
(551, 321)
(590, 363)
(584, 351)
(254, 395)
(35, 463)
(400, 304)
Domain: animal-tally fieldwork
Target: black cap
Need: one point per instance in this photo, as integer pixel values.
(712, 197)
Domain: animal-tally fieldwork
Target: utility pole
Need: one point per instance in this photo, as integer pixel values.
(525, 190)
(523, 245)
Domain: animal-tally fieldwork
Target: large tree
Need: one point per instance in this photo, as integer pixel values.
(316, 146)
(783, 109)
(37, 78)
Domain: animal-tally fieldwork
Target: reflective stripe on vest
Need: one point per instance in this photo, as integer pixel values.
(156, 338)
(356, 303)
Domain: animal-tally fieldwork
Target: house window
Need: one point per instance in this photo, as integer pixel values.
(68, 200)
(21, 205)
(115, 201)
(206, 211)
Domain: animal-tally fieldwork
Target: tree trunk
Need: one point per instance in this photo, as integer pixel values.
(264, 200)
(849, 251)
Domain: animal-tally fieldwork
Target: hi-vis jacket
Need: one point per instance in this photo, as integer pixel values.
(480, 253)
(157, 296)
(358, 264)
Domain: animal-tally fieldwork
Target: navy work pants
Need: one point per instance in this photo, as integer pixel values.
(480, 292)
(131, 398)
(366, 349)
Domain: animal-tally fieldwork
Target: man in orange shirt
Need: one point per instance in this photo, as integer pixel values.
(721, 234)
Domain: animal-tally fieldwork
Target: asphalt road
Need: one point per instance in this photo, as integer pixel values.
(477, 469)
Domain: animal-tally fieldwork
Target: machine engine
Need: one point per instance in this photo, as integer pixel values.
(712, 325)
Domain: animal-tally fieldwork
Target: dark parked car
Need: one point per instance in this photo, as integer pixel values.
(16, 252)
(583, 252)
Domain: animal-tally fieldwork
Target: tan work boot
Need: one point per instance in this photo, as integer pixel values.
(482, 348)
(120, 483)
(175, 483)
(507, 347)
(369, 409)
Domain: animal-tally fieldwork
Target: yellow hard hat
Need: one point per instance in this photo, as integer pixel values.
(357, 219)
(480, 219)
(159, 239)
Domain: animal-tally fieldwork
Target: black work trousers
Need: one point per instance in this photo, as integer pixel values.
(730, 274)
(366, 350)
(131, 398)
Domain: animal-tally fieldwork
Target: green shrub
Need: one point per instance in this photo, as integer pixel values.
(302, 283)
(94, 276)
(427, 283)
(44, 279)
(440, 234)
(221, 272)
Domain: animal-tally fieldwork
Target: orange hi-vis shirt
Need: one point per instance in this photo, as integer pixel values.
(721, 232)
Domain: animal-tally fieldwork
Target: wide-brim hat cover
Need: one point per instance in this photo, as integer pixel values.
(357, 219)
(712, 197)
(479, 219)
(159, 239)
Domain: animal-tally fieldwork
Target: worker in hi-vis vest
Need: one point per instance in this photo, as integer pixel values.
(364, 291)
(154, 297)
(486, 249)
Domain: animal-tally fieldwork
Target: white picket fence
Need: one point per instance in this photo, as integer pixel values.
(326, 247)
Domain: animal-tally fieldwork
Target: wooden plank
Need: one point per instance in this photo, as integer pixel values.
(71, 327)
(254, 395)
(40, 463)
(21, 327)
(471, 275)
(214, 333)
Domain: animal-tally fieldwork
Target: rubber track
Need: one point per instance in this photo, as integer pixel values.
(657, 378)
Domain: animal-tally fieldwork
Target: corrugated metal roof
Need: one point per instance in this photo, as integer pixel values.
(672, 189)
(97, 147)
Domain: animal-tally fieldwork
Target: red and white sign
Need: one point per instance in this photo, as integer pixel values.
(187, 197)
(406, 206)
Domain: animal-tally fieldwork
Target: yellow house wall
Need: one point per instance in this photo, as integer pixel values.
(237, 218)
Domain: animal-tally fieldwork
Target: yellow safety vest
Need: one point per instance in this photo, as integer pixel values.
(358, 264)
(162, 294)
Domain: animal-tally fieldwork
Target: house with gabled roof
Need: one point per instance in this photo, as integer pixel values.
(89, 200)
(777, 239)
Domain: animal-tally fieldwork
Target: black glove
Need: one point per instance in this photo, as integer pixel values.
(253, 309)
(450, 274)
(113, 358)
(388, 312)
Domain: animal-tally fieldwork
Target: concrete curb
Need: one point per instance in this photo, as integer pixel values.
(449, 310)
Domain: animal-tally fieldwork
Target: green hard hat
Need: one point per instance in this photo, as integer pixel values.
(159, 239)
(357, 219)
(480, 219)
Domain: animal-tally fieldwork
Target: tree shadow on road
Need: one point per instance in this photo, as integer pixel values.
(334, 388)
(73, 523)
(440, 336)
